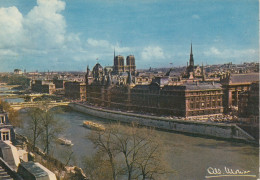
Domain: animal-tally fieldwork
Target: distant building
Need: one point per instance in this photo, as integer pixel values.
(192, 71)
(43, 86)
(59, 83)
(157, 93)
(75, 90)
(183, 100)
(18, 71)
(120, 67)
(248, 106)
(130, 64)
(233, 85)
(159, 97)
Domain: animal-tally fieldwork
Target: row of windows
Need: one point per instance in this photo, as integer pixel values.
(206, 98)
(204, 105)
(204, 92)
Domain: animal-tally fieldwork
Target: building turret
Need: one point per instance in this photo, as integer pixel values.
(168, 73)
(129, 79)
(109, 80)
(87, 76)
(130, 64)
(203, 73)
(119, 65)
(104, 80)
(97, 72)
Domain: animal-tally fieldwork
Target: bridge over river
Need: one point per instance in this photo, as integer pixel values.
(21, 105)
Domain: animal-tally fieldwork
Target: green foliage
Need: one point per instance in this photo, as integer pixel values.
(15, 80)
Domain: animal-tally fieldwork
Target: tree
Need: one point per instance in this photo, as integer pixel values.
(35, 124)
(43, 125)
(132, 152)
(105, 144)
(67, 156)
(51, 126)
(97, 168)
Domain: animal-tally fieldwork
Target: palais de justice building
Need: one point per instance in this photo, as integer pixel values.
(117, 89)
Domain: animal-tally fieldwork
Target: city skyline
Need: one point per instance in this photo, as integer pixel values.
(61, 35)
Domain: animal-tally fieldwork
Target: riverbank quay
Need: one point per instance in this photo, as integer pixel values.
(205, 129)
(61, 171)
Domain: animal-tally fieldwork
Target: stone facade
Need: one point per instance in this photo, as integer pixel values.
(43, 86)
(75, 90)
(233, 85)
(159, 98)
(6, 129)
(248, 106)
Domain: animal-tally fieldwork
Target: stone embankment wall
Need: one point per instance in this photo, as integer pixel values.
(219, 130)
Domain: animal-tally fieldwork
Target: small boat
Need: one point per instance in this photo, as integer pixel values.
(92, 125)
(64, 141)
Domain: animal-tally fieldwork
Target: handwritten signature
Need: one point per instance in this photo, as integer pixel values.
(217, 172)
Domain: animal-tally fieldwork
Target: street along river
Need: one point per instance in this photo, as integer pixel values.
(191, 157)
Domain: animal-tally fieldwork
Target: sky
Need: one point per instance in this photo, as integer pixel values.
(68, 35)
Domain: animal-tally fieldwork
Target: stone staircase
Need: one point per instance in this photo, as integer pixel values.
(4, 175)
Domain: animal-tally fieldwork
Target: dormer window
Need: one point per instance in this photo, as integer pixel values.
(5, 135)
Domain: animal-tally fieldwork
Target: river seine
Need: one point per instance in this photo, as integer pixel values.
(189, 156)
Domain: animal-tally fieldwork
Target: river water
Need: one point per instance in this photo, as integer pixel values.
(189, 156)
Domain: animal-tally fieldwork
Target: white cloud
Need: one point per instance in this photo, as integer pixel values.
(39, 36)
(7, 52)
(104, 50)
(105, 44)
(152, 52)
(231, 53)
(212, 51)
(195, 16)
(120, 49)
(98, 43)
(11, 27)
(42, 28)
(45, 26)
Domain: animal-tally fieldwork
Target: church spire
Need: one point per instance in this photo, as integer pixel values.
(191, 49)
(191, 56)
(114, 53)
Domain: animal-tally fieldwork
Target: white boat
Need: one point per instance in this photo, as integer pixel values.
(64, 141)
(92, 125)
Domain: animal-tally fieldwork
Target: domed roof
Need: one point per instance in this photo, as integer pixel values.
(97, 67)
